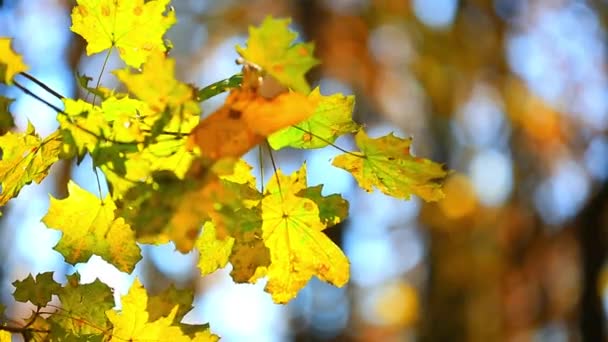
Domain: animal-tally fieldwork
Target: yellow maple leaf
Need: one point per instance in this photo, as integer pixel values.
(156, 85)
(134, 27)
(25, 158)
(273, 47)
(132, 322)
(299, 249)
(88, 227)
(10, 62)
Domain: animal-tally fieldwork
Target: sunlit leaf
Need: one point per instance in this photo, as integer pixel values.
(88, 227)
(387, 164)
(25, 158)
(83, 126)
(214, 252)
(272, 47)
(10, 62)
(331, 119)
(156, 85)
(293, 233)
(38, 291)
(133, 322)
(134, 27)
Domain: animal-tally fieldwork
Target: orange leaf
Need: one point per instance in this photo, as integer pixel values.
(246, 119)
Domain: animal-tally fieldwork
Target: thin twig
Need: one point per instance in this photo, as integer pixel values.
(30, 93)
(42, 85)
(329, 142)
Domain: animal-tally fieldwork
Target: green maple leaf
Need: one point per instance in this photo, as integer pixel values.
(38, 291)
(271, 46)
(386, 163)
(163, 303)
(219, 87)
(331, 119)
(88, 227)
(26, 158)
(83, 307)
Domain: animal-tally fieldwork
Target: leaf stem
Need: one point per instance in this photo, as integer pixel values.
(98, 183)
(274, 167)
(103, 68)
(329, 142)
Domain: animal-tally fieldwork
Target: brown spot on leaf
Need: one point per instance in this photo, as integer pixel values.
(235, 114)
(83, 11)
(278, 68)
(138, 10)
(308, 206)
(105, 11)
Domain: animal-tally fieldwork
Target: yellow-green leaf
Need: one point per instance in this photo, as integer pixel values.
(387, 164)
(88, 227)
(331, 119)
(293, 234)
(10, 62)
(25, 158)
(272, 46)
(333, 209)
(214, 252)
(134, 27)
(249, 256)
(84, 307)
(157, 86)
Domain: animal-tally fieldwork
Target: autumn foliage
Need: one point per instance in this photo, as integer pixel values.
(174, 176)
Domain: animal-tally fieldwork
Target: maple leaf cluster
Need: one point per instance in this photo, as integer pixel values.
(176, 177)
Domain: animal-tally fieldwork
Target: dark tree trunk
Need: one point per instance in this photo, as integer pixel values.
(592, 224)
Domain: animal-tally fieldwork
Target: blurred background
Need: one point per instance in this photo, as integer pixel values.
(510, 94)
